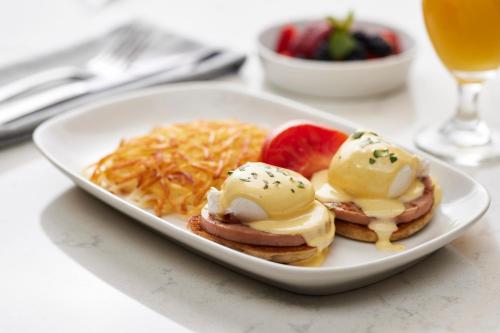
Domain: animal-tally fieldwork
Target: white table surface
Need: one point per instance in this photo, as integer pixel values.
(71, 264)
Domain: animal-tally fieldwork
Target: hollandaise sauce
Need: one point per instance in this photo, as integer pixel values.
(384, 230)
(384, 212)
(283, 202)
(314, 261)
(376, 176)
(281, 193)
(314, 225)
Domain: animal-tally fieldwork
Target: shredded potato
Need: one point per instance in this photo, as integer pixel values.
(170, 169)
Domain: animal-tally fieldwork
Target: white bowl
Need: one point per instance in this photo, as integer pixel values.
(336, 78)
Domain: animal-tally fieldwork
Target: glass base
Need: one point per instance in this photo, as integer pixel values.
(462, 143)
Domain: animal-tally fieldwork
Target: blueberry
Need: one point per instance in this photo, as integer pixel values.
(322, 52)
(358, 53)
(361, 37)
(378, 46)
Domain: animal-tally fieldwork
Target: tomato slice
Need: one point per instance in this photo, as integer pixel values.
(302, 146)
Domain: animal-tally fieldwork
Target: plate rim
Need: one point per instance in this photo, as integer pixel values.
(412, 254)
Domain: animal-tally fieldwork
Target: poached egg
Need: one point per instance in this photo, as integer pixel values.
(274, 200)
(378, 176)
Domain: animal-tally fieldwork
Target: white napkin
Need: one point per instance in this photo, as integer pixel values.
(20, 129)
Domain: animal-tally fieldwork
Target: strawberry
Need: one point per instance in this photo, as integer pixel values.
(286, 40)
(311, 38)
(392, 39)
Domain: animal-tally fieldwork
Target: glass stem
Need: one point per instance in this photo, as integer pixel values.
(468, 97)
(466, 129)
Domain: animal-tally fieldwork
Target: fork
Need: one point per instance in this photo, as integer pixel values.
(113, 59)
(184, 61)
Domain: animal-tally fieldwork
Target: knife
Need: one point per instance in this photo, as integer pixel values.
(17, 109)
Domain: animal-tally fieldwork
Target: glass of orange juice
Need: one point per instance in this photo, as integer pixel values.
(466, 37)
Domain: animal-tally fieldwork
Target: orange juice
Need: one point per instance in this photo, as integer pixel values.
(465, 33)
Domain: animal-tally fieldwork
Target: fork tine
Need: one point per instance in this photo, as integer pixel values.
(137, 49)
(120, 54)
(119, 37)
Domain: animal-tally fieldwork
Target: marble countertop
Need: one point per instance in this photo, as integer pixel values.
(72, 264)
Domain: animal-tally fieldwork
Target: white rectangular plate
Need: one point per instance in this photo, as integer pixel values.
(75, 140)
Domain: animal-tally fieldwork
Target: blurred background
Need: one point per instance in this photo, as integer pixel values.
(32, 28)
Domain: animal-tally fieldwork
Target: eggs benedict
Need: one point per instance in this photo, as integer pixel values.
(268, 212)
(378, 191)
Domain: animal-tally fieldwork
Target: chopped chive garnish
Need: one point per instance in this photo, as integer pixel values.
(254, 175)
(293, 191)
(393, 157)
(371, 160)
(245, 180)
(269, 173)
(301, 185)
(357, 135)
(266, 186)
(241, 169)
(292, 180)
(229, 173)
(281, 171)
(368, 142)
(380, 153)
(277, 182)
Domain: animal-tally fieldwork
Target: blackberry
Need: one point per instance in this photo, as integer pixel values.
(358, 53)
(378, 46)
(361, 37)
(322, 52)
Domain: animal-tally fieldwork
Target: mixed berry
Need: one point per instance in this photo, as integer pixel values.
(335, 40)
